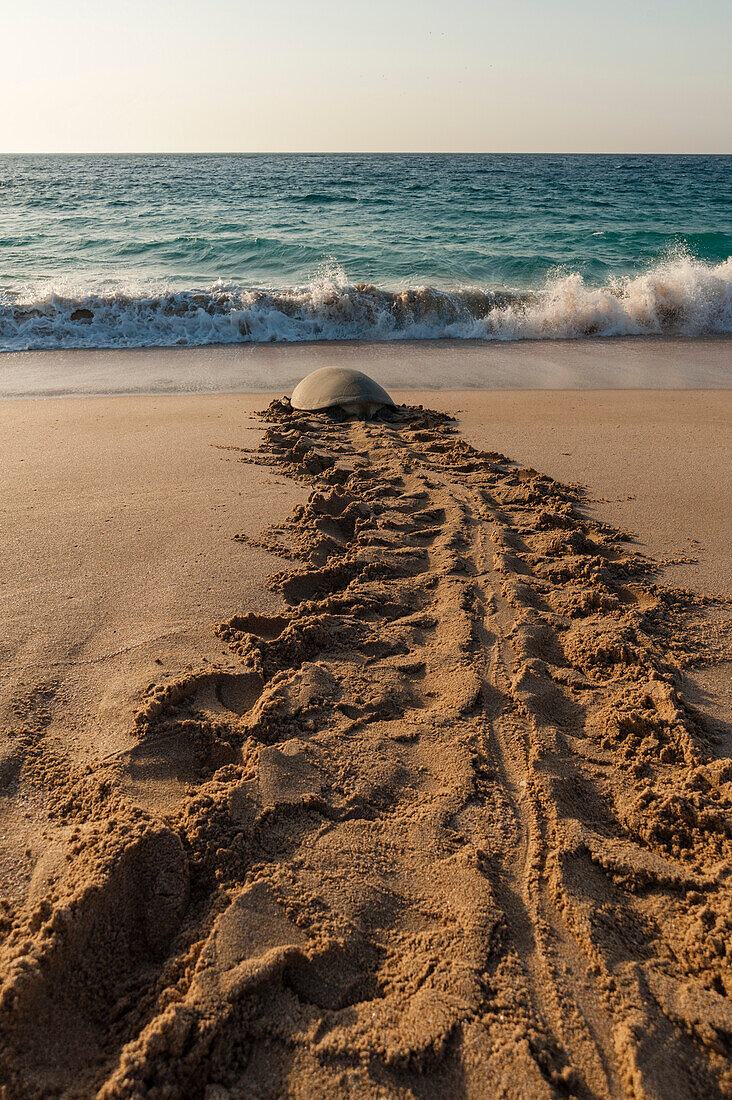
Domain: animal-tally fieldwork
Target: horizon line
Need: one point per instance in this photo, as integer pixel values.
(351, 153)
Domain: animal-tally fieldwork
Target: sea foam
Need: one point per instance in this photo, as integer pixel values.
(680, 295)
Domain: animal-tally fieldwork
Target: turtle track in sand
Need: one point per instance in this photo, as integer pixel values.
(446, 827)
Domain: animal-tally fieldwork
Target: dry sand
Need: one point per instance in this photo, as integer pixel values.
(443, 812)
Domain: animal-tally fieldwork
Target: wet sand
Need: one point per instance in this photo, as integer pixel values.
(350, 844)
(633, 362)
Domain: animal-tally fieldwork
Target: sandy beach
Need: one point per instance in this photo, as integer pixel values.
(384, 759)
(366, 736)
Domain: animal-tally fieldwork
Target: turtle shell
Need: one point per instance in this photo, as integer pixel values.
(331, 386)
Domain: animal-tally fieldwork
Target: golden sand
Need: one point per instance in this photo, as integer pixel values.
(444, 810)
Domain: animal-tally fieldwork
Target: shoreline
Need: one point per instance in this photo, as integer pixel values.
(622, 362)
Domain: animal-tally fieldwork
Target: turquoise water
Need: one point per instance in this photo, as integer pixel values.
(104, 251)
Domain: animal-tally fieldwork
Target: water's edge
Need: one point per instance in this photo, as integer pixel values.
(658, 363)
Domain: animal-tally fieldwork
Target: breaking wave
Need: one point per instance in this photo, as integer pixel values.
(678, 296)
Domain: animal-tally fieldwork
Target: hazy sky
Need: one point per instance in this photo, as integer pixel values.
(454, 75)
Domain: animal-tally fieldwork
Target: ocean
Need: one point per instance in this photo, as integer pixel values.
(136, 251)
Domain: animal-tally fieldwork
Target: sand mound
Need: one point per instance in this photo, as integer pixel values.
(445, 827)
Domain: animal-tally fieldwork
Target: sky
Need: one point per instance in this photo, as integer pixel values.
(372, 75)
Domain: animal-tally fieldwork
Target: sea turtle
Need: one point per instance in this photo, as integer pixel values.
(340, 388)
